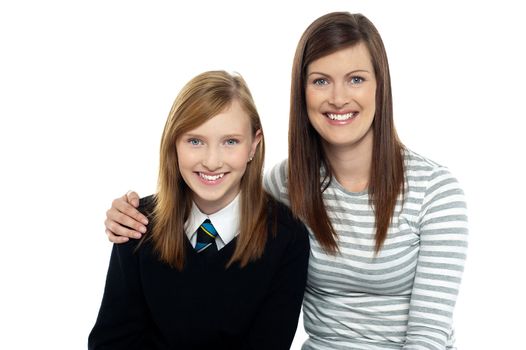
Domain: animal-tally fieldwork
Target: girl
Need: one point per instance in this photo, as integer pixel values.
(224, 265)
(388, 226)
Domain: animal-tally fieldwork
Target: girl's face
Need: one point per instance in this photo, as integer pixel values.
(213, 157)
(340, 95)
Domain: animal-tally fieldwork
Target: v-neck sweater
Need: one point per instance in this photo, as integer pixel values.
(149, 305)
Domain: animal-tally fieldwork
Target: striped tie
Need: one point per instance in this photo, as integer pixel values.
(206, 238)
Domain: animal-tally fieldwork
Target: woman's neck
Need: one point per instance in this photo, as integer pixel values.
(351, 164)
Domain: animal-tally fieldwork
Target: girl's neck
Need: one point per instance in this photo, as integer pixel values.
(351, 164)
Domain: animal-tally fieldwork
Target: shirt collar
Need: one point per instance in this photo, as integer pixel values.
(226, 221)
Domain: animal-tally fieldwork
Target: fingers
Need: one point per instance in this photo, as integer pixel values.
(121, 224)
(133, 198)
(116, 239)
(123, 220)
(123, 206)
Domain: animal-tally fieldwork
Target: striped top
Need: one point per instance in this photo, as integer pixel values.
(404, 297)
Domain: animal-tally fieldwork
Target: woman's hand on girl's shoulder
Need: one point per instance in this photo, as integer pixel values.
(123, 220)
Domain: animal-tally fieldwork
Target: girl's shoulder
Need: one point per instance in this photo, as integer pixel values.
(282, 218)
(144, 244)
(146, 205)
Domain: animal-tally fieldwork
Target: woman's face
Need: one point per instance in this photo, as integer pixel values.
(213, 157)
(340, 95)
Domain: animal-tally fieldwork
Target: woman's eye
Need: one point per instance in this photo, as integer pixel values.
(231, 142)
(357, 80)
(194, 142)
(320, 81)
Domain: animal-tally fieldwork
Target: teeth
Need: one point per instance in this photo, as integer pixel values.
(211, 177)
(340, 116)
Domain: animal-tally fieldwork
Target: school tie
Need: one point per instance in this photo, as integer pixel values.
(206, 239)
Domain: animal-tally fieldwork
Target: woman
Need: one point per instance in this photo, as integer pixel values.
(224, 265)
(388, 226)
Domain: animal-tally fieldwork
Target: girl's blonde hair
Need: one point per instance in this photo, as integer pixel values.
(202, 98)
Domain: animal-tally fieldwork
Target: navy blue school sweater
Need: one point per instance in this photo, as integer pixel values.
(149, 305)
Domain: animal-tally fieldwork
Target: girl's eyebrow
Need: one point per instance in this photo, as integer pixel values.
(221, 136)
(187, 134)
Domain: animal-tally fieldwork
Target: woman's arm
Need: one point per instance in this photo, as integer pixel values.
(123, 320)
(443, 244)
(275, 325)
(123, 220)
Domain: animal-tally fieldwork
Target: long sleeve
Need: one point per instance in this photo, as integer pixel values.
(122, 322)
(277, 320)
(443, 244)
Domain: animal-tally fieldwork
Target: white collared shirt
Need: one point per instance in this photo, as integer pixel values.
(226, 222)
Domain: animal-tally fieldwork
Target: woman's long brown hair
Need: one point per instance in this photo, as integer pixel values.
(205, 96)
(327, 34)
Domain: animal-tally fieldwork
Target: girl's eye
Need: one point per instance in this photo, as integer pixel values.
(194, 142)
(231, 142)
(320, 81)
(357, 80)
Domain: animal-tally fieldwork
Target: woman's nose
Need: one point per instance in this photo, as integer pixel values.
(339, 96)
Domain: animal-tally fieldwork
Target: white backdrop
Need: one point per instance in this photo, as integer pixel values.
(85, 88)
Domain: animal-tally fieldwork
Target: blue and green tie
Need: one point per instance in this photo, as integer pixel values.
(206, 238)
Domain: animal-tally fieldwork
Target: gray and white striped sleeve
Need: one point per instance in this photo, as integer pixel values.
(275, 180)
(443, 243)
